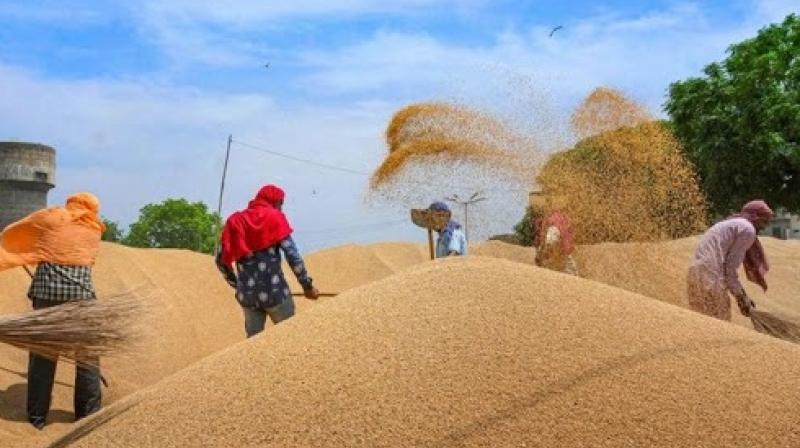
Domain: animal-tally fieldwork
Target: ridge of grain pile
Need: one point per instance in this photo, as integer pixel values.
(501, 354)
(196, 315)
(499, 249)
(658, 270)
(193, 318)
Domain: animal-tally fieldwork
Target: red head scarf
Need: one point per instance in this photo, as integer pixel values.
(755, 261)
(259, 226)
(559, 219)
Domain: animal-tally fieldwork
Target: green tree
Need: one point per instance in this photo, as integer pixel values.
(524, 230)
(175, 223)
(740, 123)
(113, 233)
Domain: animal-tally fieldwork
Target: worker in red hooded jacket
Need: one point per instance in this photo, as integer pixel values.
(253, 240)
(554, 238)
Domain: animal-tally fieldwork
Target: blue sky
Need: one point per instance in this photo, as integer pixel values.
(139, 96)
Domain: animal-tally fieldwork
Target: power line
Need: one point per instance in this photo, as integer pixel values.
(364, 173)
(298, 159)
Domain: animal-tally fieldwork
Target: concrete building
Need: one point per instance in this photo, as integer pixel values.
(27, 173)
(784, 226)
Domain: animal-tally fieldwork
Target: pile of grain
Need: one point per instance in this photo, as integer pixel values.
(501, 354)
(195, 315)
(499, 249)
(628, 183)
(198, 315)
(658, 270)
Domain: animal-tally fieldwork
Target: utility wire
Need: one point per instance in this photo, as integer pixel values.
(367, 174)
(298, 159)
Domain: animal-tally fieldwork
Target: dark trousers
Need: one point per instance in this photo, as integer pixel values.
(41, 376)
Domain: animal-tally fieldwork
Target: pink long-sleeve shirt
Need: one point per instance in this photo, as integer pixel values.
(721, 251)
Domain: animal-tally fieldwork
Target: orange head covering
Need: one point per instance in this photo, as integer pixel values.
(67, 235)
(84, 209)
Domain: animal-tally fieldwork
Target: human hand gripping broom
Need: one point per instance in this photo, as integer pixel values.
(768, 323)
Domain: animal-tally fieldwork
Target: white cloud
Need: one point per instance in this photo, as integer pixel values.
(141, 141)
(640, 55)
(201, 31)
(135, 143)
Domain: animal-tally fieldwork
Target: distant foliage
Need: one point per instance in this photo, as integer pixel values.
(113, 232)
(175, 223)
(740, 123)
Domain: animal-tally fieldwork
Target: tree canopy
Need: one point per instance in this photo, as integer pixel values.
(175, 223)
(740, 122)
(113, 232)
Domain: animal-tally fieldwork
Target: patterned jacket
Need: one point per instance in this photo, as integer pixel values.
(259, 279)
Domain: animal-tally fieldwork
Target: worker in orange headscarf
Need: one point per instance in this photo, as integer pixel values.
(63, 243)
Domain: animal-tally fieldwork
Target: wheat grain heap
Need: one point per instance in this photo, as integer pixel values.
(199, 316)
(627, 180)
(195, 316)
(193, 319)
(504, 355)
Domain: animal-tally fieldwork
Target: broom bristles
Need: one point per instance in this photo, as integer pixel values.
(80, 331)
(773, 325)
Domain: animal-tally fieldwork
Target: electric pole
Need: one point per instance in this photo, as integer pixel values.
(222, 187)
(474, 199)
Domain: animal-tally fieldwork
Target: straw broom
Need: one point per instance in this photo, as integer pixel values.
(773, 325)
(79, 331)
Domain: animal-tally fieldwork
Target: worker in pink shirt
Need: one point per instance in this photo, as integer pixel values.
(724, 247)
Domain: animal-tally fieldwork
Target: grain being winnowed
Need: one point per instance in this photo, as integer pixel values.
(458, 132)
(606, 110)
(439, 149)
(630, 182)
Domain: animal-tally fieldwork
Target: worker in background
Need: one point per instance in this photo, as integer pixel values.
(722, 250)
(554, 244)
(451, 239)
(62, 242)
(253, 240)
(553, 237)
